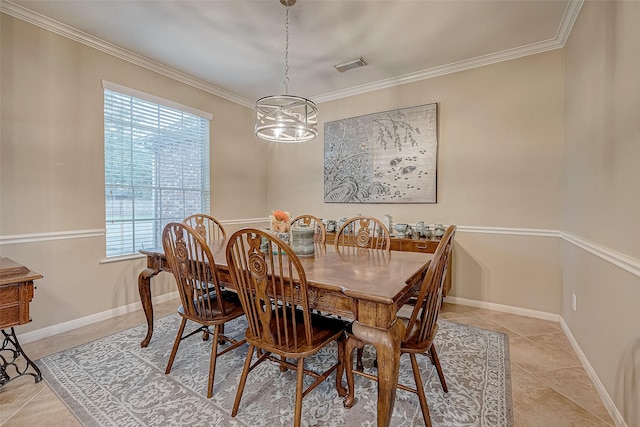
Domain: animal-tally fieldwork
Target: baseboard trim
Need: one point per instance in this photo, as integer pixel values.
(604, 396)
(543, 315)
(49, 331)
(602, 392)
(108, 314)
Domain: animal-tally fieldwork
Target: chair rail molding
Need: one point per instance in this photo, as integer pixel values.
(244, 221)
(631, 265)
(622, 261)
(55, 235)
(512, 231)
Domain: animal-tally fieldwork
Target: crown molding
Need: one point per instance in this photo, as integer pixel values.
(569, 18)
(66, 31)
(455, 67)
(570, 15)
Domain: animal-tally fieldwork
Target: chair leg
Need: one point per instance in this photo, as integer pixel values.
(359, 353)
(282, 367)
(341, 360)
(221, 334)
(420, 390)
(243, 380)
(176, 344)
(299, 391)
(350, 344)
(436, 361)
(206, 333)
(212, 363)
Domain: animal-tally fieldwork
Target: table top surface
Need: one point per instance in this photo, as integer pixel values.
(359, 273)
(12, 272)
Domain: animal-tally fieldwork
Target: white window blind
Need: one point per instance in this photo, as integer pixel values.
(156, 168)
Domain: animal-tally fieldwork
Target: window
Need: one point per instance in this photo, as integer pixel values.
(156, 160)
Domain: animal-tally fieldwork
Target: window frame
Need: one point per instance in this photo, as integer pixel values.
(141, 199)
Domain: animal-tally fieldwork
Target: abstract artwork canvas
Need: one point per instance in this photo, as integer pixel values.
(387, 157)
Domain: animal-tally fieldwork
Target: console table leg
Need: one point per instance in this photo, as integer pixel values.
(9, 355)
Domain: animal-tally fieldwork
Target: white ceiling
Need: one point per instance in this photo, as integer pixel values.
(235, 48)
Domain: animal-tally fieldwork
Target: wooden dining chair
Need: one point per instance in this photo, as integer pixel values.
(206, 226)
(421, 328)
(193, 267)
(363, 232)
(210, 229)
(272, 288)
(320, 235)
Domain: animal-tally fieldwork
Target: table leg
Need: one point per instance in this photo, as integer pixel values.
(10, 360)
(144, 288)
(387, 344)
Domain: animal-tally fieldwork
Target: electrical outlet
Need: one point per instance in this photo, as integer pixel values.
(574, 302)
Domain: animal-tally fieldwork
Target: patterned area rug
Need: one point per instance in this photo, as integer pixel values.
(114, 382)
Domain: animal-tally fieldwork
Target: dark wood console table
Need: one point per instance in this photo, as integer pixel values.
(16, 292)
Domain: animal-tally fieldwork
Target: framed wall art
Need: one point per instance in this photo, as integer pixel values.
(388, 157)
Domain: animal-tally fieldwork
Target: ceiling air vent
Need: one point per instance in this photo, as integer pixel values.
(350, 65)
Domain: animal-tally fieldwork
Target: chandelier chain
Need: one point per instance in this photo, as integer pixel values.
(286, 54)
(286, 118)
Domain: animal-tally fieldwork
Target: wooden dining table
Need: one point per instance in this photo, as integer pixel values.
(360, 284)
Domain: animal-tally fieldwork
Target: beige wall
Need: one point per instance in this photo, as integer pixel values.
(545, 142)
(601, 199)
(52, 166)
(499, 165)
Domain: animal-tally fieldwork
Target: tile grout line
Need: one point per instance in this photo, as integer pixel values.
(23, 405)
(569, 397)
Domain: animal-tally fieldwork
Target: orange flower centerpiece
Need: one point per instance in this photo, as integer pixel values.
(280, 221)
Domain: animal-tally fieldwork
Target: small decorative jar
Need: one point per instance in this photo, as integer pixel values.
(439, 231)
(386, 220)
(428, 233)
(401, 230)
(302, 240)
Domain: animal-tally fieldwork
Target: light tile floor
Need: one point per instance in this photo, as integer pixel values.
(549, 385)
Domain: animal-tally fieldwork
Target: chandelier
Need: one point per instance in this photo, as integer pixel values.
(286, 118)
